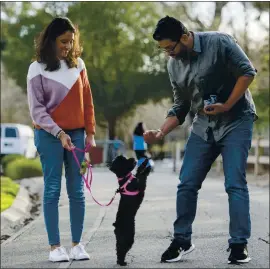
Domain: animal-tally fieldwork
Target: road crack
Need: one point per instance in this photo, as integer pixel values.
(264, 240)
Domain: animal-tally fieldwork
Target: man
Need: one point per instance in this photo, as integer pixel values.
(210, 75)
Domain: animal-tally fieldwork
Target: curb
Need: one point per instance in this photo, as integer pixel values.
(19, 210)
(19, 232)
(13, 219)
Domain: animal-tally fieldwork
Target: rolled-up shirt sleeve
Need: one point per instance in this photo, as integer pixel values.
(181, 107)
(235, 58)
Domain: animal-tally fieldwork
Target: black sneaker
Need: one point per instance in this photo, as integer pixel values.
(175, 252)
(239, 254)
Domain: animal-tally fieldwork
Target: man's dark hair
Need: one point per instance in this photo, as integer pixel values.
(169, 28)
(46, 44)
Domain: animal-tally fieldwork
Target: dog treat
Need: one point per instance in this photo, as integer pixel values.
(83, 167)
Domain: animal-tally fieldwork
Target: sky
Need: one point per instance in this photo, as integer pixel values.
(235, 10)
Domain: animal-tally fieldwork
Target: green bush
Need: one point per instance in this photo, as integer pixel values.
(23, 168)
(9, 190)
(6, 201)
(9, 158)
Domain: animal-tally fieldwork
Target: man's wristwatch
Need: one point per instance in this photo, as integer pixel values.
(162, 134)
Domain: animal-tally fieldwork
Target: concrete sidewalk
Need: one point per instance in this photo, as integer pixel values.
(29, 247)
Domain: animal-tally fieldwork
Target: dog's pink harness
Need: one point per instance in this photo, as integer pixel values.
(130, 177)
(88, 182)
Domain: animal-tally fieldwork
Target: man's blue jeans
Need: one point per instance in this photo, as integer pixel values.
(53, 156)
(198, 158)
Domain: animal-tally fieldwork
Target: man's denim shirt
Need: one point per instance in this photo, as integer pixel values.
(214, 70)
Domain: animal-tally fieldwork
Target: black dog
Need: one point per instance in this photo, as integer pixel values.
(132, 193)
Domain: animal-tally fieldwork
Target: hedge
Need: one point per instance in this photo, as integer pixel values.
(9, 190)
(9, 158)
(23, 168)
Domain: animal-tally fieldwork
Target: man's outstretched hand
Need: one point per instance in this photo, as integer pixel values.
(152, 136)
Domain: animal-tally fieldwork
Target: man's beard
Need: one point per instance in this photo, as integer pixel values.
(183, 54)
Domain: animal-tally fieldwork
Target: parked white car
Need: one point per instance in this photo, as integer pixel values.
(17, 139)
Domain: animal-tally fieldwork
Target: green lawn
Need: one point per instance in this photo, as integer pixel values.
(9, 190)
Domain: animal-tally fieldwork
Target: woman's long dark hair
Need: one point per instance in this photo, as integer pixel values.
(46, 44)
(139, 129)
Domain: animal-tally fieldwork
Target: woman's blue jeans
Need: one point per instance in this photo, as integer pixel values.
(53, 156)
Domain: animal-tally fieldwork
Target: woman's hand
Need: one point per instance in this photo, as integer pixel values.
(66, 141)
(90, 140)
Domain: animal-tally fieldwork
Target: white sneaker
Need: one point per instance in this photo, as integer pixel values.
(78, 253)
(58, 255)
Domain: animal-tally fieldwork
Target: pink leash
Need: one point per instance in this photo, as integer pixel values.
(88, 183)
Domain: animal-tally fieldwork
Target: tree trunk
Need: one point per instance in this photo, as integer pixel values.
(111, 127)
(246, 41)
(217, 16)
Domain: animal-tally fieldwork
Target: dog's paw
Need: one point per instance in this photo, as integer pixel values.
(122, 263)
(144, 169)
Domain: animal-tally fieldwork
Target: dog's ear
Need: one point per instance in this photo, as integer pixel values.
(122, 157)
(131, 163)
(116, 164)
(132, 160)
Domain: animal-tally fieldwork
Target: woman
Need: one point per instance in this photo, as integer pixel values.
(139, 145)
(62, 110)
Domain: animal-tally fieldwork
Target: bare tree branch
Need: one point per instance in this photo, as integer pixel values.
(201, 26)
(217, 16)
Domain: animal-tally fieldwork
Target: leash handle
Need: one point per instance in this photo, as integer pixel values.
(87, 182)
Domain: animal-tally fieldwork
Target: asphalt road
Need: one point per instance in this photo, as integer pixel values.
(29, 248)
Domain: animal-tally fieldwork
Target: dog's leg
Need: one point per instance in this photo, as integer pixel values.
(120, 249)
(119, 231)
(120, 244)
(142, 179)
(130, 233)
(130, 220)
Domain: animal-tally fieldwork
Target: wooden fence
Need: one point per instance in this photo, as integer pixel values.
(258, 156)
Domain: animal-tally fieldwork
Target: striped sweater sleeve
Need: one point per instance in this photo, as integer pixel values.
(35, 96)
(89, 112)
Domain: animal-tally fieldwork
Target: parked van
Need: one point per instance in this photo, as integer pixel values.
(17, 139)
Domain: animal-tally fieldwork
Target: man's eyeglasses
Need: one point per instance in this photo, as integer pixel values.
(170, 49)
